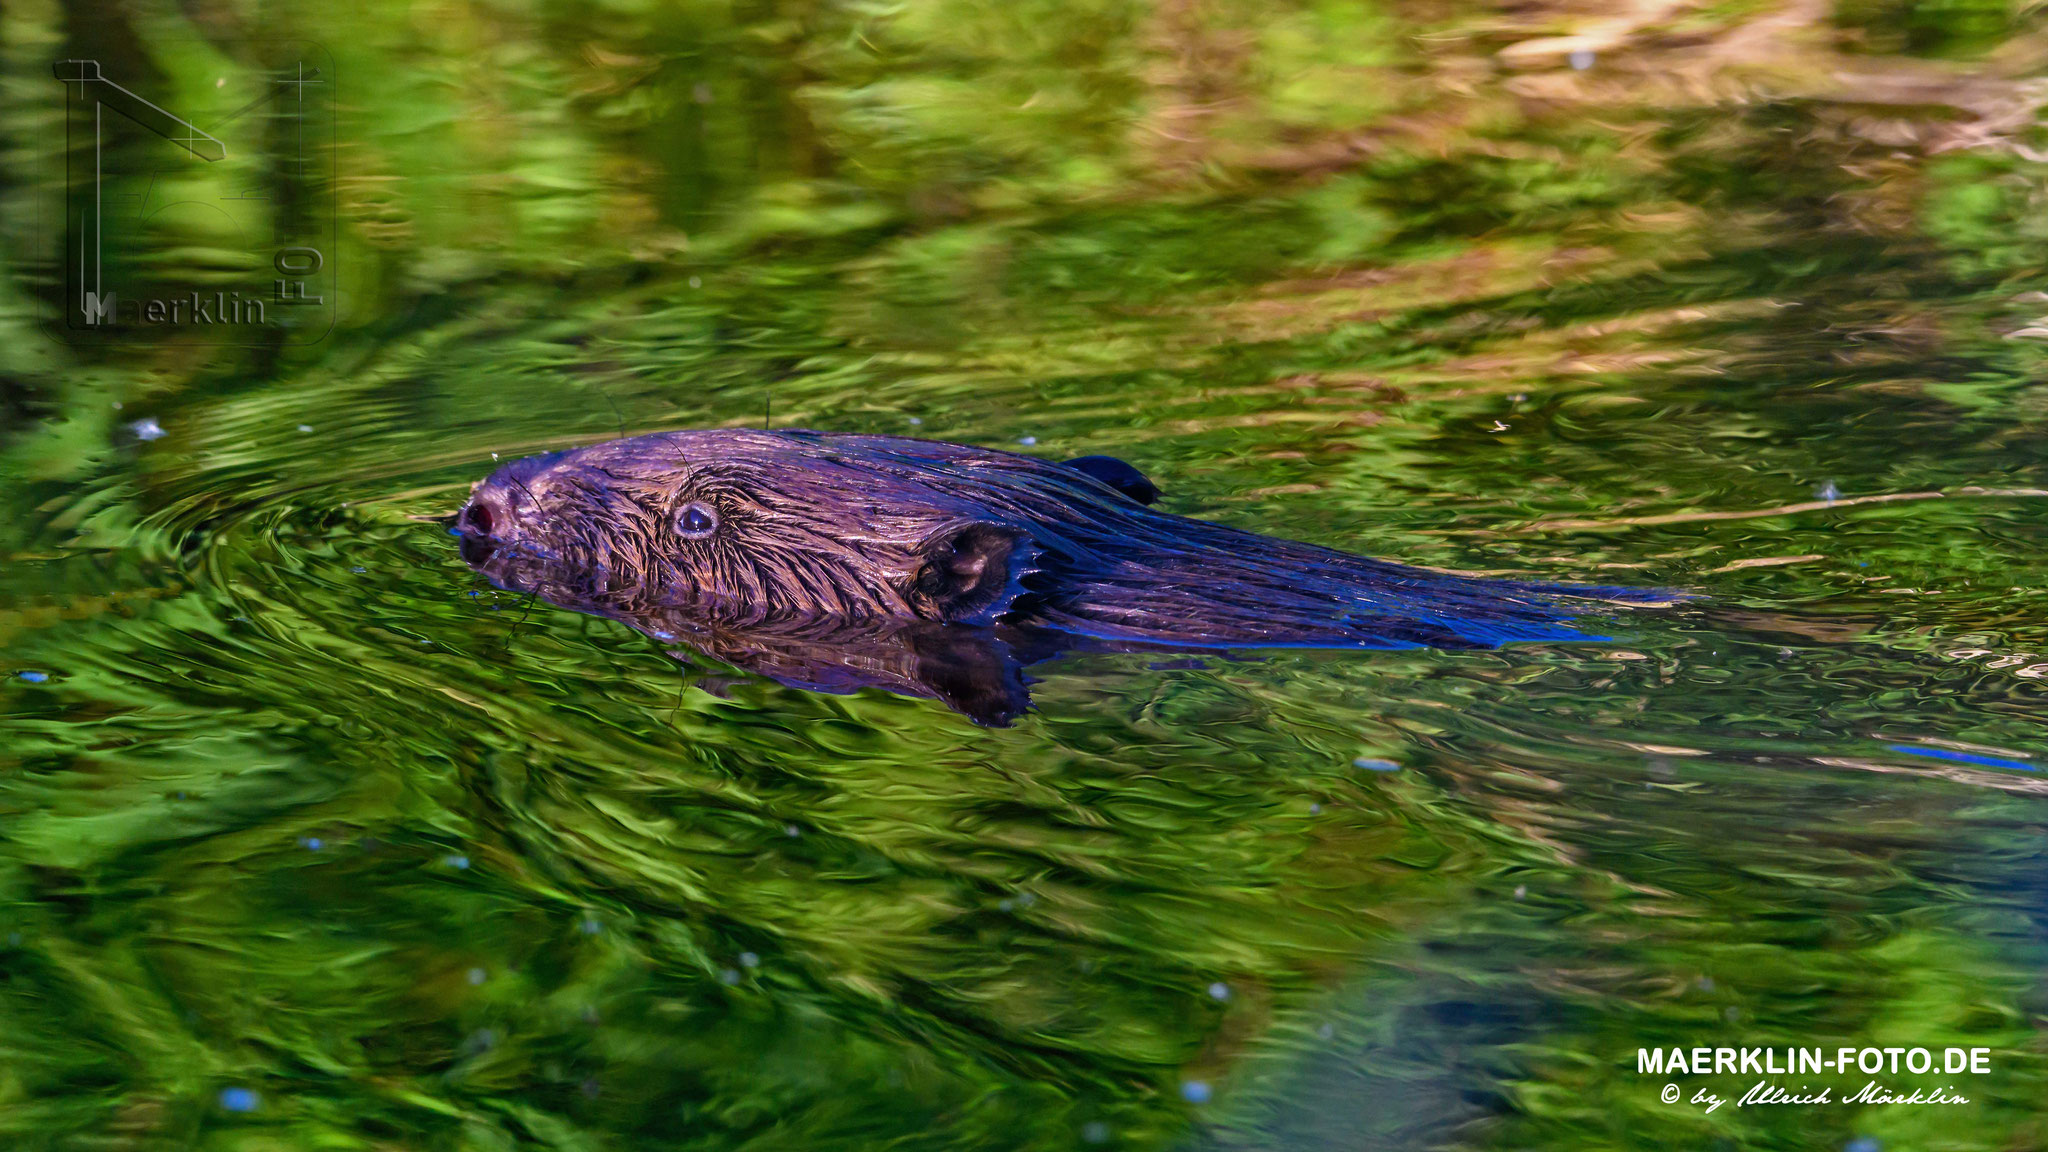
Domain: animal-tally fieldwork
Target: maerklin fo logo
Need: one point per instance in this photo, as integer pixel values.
(202, 213)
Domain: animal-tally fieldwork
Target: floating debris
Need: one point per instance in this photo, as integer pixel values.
(749, 960)
(478, 975)
(458, 861)
(305, 427)
(1027, 441)
(1371, 764)
(34, 677)
(1581, 59)
(147, 429)
(1828, 492)
(1095, 1132)
(1219, 991)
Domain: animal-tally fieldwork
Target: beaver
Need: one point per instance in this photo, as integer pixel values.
(840, 561)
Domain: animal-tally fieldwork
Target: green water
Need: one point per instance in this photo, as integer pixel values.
(309, 839)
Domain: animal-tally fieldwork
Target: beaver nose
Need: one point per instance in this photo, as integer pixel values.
(474, 525)
(478, 516)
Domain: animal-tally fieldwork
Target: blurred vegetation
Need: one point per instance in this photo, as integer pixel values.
(299, 809)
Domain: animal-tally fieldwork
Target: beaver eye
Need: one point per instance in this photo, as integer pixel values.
(696, 521)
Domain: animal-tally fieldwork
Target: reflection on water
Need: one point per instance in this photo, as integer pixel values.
(313, 839)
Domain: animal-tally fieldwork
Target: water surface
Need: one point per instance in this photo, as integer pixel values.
(309, 838)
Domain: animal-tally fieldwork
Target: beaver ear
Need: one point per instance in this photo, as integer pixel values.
(971, 572)
(1118, 475)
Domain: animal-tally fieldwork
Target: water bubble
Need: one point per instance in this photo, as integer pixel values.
(1027, 441)
(305, 427)
(1375, 765)
(1828, 492)
(1581, 60)
(792, 831)
(34, 677)
(1195, 1091)
(1095, 1132)
(749, 960)
(458, 861)
(590, 926)
(312, 843)
(147, 429)
(696, 282)
(917, 422)
(1219, 991)
(359, 571)
(481, 1040)
(478, 975)
(1006, 904)
(239, 1099)
(1521, 891)
(1326, 1031)
(1706, 983)
(1314, 809)
(729, 975)
(1862, 1144)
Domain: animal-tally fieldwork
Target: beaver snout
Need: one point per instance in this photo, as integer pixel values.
(475, 524)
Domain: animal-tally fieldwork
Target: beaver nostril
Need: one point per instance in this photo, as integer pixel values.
(479, 517)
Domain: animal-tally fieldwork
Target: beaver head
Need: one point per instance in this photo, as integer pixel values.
(746, 527)
(757, 529)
